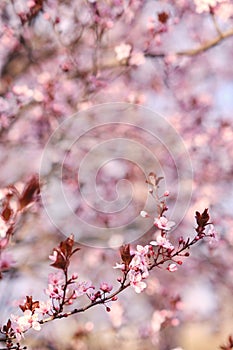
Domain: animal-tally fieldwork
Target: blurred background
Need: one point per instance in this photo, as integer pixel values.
(172, 62)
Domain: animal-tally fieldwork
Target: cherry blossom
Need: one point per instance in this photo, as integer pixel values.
(122, 51)
(105, 287)
(163, 242)
(172, 267)
(45, 307)
(55, 292)
(6, 261)
(205, 5)
(82, 288)
(144, 214)
(20, 324)
(56, 278)
(136, 281)
(163, 224)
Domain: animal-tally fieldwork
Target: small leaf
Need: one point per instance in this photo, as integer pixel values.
(29, 304)
(30, 191)
(125, 254)
(202, 219)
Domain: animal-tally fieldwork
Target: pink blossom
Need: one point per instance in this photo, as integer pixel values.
(82, 288)
(20, 324)
(214, 240)
(225, 11)
(137, 58)
(105, 287)
(163, 242)
(56, 278)
(139, 261)
(205, 5)
(45, 307)
(163, 224)
(172, 267)
(55, 292)
(119, 266)
(212, 232)
(122, 51)
(142, 250)
(136, 281)
(139, 268)
(157, 320)
(144, 214)
(6, 261)
(3, 243)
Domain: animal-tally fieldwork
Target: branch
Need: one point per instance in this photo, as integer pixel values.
(123, 286)
(193, 52)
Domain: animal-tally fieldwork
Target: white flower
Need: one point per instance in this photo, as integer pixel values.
(163, 242)
(144, 214)
(205, 5)
(172, 267)
(122, 51)
(163, 224)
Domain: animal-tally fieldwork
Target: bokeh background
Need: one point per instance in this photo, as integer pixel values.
(61, 58)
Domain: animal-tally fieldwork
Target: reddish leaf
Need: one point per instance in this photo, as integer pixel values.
(30, 191)
(29, 304)
(61, 261)
(202, 219)
(64, 252)
(67, 245)
(125, 254)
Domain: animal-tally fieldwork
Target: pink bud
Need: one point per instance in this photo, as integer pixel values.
(144, 214)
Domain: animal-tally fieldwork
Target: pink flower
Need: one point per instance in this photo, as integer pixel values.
(172, 267)
(136, 281)
(163, 242)
(205, 5)
(45, 307)
(3, 243)
(163, 224)
(6, 261)
(56, 278)
(212, 232)
(55, 292)
(20, 324)
(119, 266)
(157, 320)
(105, 287)
(137, 58)
(122, 51)
(82, 288)
(144, 214)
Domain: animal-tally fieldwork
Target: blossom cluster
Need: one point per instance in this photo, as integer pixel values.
(135, 267)
(13, 203)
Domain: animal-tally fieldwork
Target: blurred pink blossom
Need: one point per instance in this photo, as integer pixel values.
(163, 224)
